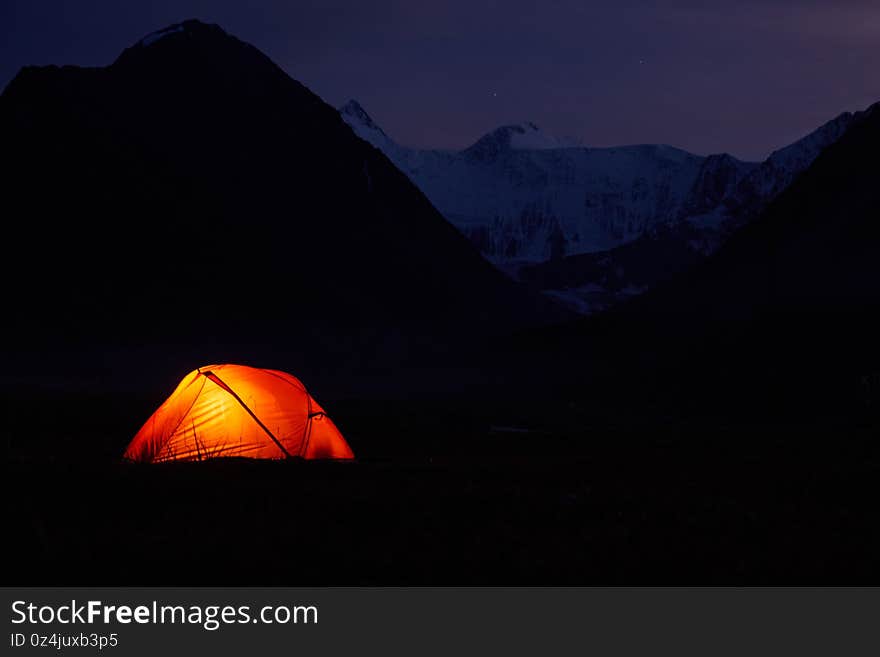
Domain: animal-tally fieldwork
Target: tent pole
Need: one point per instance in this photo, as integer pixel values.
(216, 379)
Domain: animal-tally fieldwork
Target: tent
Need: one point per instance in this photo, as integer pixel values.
(235, 410)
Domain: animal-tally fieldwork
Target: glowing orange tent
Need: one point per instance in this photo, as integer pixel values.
(235, 410)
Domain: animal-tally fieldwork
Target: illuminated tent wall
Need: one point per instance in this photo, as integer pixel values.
(234, 410)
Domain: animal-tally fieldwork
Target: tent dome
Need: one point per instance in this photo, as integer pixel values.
(235, 410)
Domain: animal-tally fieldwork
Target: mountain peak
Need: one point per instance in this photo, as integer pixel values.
(188, 41)
(364, 126)
(525, 136)
(354, 111)
(191, 27)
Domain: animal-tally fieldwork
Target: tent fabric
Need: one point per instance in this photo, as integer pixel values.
(236, 410)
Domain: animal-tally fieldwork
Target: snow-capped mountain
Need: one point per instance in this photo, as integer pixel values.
(525, 197)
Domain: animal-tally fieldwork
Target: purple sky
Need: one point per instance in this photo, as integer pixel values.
(743, 76)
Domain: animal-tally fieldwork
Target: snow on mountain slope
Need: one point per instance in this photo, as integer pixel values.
(529, 201)
(523, 196)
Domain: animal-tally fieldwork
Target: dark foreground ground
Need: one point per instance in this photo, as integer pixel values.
(443, 495)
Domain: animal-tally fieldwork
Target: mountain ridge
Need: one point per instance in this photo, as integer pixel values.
(192, 198)
(577, 207)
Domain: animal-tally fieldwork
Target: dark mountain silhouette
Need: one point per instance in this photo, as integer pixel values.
(193, 200)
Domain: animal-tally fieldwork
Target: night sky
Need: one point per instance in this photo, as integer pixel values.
(706, 75)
